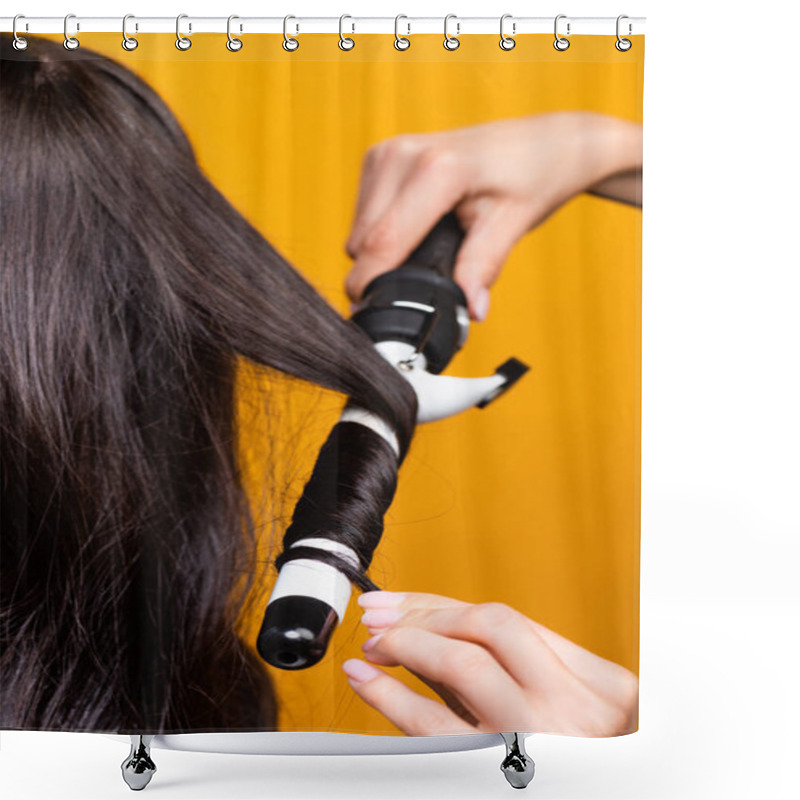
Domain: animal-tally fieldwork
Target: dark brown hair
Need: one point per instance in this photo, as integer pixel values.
(130, 290)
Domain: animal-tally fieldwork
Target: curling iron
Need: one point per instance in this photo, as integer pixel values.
(416, 316)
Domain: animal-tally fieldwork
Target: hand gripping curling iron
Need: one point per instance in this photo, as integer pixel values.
(416, 316)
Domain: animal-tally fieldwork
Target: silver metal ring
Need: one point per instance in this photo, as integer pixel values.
(400, 42)
(290, 44)
(18, 43)
(623, 45)
(560, 44)
(128, 42)
(182, 42)
(346, 42)
(70, 42)
(507, 42)
(451, 42)
(233, 44)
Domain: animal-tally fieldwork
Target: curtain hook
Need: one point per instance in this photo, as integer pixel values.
(19, 43)
(233, 44)
(623, 45)
(128, 42)
(290, 44)
(507, 42)
(400, 42)
(346, 42)
(70, 42)
(451, 42)
(182, 42)
(560, 43)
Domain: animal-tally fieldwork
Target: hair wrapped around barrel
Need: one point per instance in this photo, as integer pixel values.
(416, 317)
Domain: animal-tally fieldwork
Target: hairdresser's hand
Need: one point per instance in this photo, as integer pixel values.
(496, 669)
(502, 178)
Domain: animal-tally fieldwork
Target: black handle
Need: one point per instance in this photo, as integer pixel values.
(418, 301)
(438, 250)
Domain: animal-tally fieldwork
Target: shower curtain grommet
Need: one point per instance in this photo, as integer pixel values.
(18, 42)
(561, 43)
(182, 42)
(622, 44)
(346, 43)
(507, 42)
(233, 44)
(290, 44)
(70, 42)
(451, 42)
(128, 42)
(401, 43)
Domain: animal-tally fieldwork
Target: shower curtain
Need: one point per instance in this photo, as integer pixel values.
(509, 554)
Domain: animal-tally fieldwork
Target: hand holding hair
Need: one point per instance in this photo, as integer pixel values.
(502, 178)
(496, 669)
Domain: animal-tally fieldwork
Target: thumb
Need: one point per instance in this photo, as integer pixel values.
(489, 240)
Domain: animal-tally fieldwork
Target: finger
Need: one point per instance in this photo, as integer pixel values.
(484, 687)
(407, 600)
(385, 608)
(501, 630)
(605, 677)
(414, 714)
(432, 189)
(454, 702)
(608, 679)
(450, 697)
(491, 235)
(386, 167)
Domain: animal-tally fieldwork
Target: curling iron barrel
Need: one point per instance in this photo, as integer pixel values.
(416, 315)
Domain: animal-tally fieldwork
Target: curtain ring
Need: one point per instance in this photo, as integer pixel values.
(233, 44)
(128, 42)
(560, 44)
(400, 42)
(507, 42)
(451, 42)
(19, 43)
(623, 45)
(346, 42)
(70, 42)
(290, 44)
(182, 42)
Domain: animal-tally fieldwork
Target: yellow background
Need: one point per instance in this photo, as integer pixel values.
(533, 501)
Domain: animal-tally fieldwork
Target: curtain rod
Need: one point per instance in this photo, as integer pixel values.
(407, 25)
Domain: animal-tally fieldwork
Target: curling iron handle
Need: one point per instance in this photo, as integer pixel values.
(438, 250)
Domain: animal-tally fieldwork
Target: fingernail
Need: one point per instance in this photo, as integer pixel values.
(360, 671)
(381, 617)
(481, 304)
(370, 643)
(381, 599)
